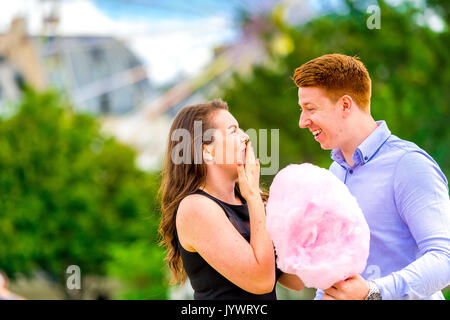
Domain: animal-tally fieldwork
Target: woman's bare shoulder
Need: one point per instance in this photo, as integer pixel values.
(196, 215)
(196, 208)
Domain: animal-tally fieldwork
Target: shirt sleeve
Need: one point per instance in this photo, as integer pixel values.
(421, 197)
(319, 294)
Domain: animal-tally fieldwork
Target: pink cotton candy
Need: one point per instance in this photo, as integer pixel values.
(318, 230)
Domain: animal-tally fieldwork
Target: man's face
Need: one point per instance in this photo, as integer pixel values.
(321, 116)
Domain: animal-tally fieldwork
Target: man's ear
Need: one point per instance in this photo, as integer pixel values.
(346, 104)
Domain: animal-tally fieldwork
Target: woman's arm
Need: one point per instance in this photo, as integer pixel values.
(203, 227)
(260, 241)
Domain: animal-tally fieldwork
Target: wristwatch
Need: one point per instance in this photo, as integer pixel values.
(374, 292)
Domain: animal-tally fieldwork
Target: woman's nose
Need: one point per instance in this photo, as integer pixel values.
(244, 137)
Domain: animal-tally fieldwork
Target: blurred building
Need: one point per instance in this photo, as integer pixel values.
(99, 74)
(147, 129)
(18, 63)
(103, 77)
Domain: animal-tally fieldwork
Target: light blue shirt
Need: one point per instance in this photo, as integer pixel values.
(404, 197)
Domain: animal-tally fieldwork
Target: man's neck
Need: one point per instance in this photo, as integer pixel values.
(359, 132)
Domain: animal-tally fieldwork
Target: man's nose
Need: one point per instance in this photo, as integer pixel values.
(304, 121)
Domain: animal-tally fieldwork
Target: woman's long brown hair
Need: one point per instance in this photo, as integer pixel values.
(180, 180)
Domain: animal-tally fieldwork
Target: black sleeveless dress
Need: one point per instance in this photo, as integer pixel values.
(205, 280)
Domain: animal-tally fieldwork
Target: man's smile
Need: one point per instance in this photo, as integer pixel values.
(316, 133)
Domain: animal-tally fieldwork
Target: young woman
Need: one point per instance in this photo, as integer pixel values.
(213, 214)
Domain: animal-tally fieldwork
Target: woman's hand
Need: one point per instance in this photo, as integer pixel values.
(248, 175)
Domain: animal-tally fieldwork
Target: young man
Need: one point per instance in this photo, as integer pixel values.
(399, 187)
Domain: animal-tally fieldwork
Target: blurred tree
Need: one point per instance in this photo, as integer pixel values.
(407, 61)
(138, 266)
(442, 7)
(70, 196)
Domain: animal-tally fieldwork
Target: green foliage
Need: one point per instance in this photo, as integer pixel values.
(446, 293)
(69, 195)
(407, 64)
(138, 266)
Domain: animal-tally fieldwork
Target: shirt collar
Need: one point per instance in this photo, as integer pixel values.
(367, 149)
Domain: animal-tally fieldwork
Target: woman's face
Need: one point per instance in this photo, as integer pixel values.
(229, 141)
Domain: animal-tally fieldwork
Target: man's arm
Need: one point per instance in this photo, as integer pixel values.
(421, 196)
(291, 281)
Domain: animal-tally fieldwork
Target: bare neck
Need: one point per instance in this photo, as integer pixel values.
(359, 131)
(220, 185)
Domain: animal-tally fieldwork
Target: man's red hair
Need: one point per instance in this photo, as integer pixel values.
(339, 75)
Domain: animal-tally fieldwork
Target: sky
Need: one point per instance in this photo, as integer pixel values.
(173, 38)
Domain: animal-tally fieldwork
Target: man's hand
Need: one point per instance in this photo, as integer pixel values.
(353, 288)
